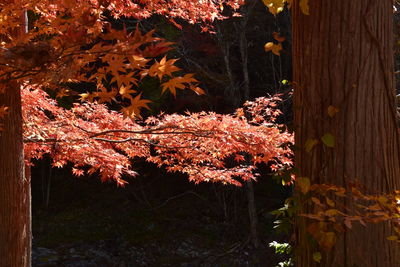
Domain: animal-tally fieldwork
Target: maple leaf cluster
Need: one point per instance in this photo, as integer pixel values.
(206, 146)
(74, 41)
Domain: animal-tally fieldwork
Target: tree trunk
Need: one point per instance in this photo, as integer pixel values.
(251, 208)
(15, 194)
(15, 226)
(243, 48)
(343, 57)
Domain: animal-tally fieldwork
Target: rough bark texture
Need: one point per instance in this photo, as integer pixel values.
(15, 226)
(343, 57)
(15, 192)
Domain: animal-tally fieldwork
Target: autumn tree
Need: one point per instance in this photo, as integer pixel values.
(72, 41)
(345, 119)
(96, 139)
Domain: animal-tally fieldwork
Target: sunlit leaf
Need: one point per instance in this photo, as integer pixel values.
(328, 139)
(305, 7)
(317, 257)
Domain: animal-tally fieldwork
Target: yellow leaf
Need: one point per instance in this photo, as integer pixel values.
(383, 200)
(268, 46)
(328, 139)
(305, 8)
(86, 96)
(317, 257)
(310, 143)
(392, 238)
(274, 6)
(327, 240)
(330, 202)
(276, 49)
(331, 212)
(304, 184)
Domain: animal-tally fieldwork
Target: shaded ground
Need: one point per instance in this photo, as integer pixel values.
(157, 220)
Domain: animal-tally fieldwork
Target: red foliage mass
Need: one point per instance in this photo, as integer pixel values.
(73, 41)
(94, 138)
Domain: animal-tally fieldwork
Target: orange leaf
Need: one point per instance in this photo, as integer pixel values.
(137, 62)
(317, 201)
(164, 67)
(126, 91)
(3, 111)
(274, 48)
(347, 222)
(332, 111)
(330, 202)
(136, 105)
(278, 37)
(197, 90)
(177, 82)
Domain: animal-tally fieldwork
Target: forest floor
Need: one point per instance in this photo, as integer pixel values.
(156, 220)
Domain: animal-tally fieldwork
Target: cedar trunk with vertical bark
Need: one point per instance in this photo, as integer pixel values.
(15, 226)
(15, 193)
(343, 57)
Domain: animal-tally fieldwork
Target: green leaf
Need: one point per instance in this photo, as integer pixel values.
(328, 139)
(317, 256)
